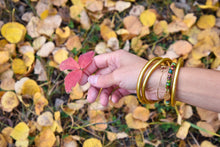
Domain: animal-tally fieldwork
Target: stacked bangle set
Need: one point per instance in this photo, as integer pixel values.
(171, 83)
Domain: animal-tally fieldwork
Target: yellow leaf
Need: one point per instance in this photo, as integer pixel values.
(183, 130)
(135, 123)
(22, 143)
(78, 2)
(60, 55)
(9, 101)
(148, 18)
(44, 14)
(28, 58)
(4, 57)
(46, 138)
(18, 66)
(45, 119)
(111, 136)
(63, 33)
(107, 32)
(20, 131)
(161, 27)
(30, 87)
(3, 142)
(57, 119)
(189, 20)
(131, 102)
(75, 12)
(92, 142)
(13, 32)
(206, 143)
(141, 113)
(40, 102)
(76, 93)
(6, 132)
(98, 116)
(206, 21)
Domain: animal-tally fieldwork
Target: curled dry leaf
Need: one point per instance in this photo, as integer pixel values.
(45, 119)
(46, 49)
(206, 21)
(9, 101)
(183, 130)
(13, 32)
(121, 5)
(102, 48)
(113, 43)
(148, 18)
(3, 142)
(4, 57)
(132, 24)
(141, 113)
(20, 131)
(92, 142)
(45, 138)
(187, 111)
(63, 33)
(135, 123)
(40, 102)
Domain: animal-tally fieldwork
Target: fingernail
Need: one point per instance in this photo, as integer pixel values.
(114, 100)
(93, 79)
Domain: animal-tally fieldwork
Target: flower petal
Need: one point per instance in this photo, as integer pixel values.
(69, 63)
(85, 59)
(71, 79)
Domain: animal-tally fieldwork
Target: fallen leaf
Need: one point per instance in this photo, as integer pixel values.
(148, 18)
(28, 58)
(13, 32)
(46, 49)
(113, 43)
(84, 20)
(161, 27)
(69, 141)
(75, 11)
(27, 16)
(136, 10)
(8, 84)
(40, 102)
(3, 142)
(4, 57)
(39, 42)
(121, 135)
(92, 142)
(32, 27)
(181, 47)
(18, 66)
(59, 128)
(111, 136)
(183, 130)
(135, 123)
(60, 55)
(59, 2)
(176, 26)
(4, 67)
(76, 93)
(206, 143)
(98, 116)
(22, 143)
(132, 24)
(94, 5)
(205, 126)
(45, 138)
(39, 69)
(177, 11)
(141, 113)
(131, 102)
(9, 101)
(73, 42)
(6, 132)
(206, 21)
(30, 87)
(26, 48)
(45, 119)
(187, 111)
(20, 131)
(189, 20)
(107, 32)
(121, 5)
(207, 115)
(101, 48)
(7, 74)
(63, 33)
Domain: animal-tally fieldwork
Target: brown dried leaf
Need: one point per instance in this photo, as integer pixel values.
(107, 32)
(161, 27)
(177, 11)
(6, 132)
(141, 113)
(46, 49)
(111, 136)
(135, 123)
(45, 138)
(8, 84)
(136, 10)
(181, 47)
(9, 101)
(39, 42)
(3, 142)
(176, 26)
(76, 93)
(132, 24)
(32, 27)
(94, 5)
(45, 119)
(121, 5)
(205, 126)
(207, 115)
(4, 57)
(40, 102)
(92, 142)
(73, 42)
(131, 102)
(98, 116)
(206, 143)
(69, 141)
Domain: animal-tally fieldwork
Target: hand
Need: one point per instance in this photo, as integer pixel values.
(119, 69)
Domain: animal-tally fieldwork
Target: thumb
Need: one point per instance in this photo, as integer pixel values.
(102, 81)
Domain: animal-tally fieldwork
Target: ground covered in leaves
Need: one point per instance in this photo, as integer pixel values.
(37, 35)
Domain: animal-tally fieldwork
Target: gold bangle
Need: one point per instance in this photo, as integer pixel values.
(141, 75)
(173, 92)
(154, 67)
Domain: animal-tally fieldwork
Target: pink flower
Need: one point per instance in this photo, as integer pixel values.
(70, 64)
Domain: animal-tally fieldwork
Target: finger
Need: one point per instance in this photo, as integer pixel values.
(118, 94)
(83, 79)
(92, 94)
(104, 96)
(102, 81)
(104, 71)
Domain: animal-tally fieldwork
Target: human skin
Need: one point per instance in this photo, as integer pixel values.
(120, 70)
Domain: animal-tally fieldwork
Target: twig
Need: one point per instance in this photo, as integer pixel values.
(194, 139)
